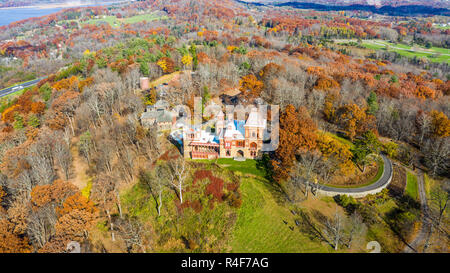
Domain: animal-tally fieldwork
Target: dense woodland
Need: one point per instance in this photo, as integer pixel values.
(81, 122)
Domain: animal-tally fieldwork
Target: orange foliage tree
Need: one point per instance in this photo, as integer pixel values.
(67, 84)
(326, 83)
(440, 124)
(166, 64)
(10, 242)
(332, 148)
(297, 134)
(425, 92)
(250, 86)
(354, 120)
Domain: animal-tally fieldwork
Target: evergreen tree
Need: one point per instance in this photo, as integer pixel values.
(366, 145)
(372, 102)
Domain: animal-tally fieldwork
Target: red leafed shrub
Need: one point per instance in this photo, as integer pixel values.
(196, 206)
(215, 188)
(202, 174)
(234, 199)
(164, 156)
(211, 204)
(168, 156)
(232, 186)
(7, 129)
(178, 206)
(185, 204)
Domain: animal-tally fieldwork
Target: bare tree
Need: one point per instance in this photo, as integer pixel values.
(437, 152)
(42, 169)
(334, 229)
(40, 226)
(132, 232)
(104, 190)
(179, 171)
(63, 157)
(423, 122)
(132, 80)
(357, 229)
(439, 201)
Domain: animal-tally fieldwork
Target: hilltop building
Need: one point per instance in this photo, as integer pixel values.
(232, 138)
(158, 115)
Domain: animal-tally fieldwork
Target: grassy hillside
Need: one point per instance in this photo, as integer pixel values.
(434, 54)
(113, 21)
(248, 166)
(411, 186)
(260, 225)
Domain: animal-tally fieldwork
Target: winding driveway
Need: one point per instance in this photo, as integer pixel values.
(426, 222)
(375, 187)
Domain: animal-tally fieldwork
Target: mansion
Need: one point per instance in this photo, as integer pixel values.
(232, 138)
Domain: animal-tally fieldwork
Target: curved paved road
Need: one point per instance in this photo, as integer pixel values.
(384, 180)
(12, 89)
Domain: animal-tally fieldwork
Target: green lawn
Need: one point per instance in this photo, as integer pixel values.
(144, 17)
(113, 21)
(442, 27)
(430, 185)
(411, 185)
(372, 46)
(341, 139)
(433, 53)
(260, 227)
(248, 166)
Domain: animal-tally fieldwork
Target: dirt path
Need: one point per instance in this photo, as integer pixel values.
(426, 223)
(78, 177)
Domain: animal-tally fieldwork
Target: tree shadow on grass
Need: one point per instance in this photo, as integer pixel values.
(275, 189)
(307, 223)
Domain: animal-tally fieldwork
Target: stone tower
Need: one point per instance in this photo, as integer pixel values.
(220, 123)
(254, 129)
(187, 138)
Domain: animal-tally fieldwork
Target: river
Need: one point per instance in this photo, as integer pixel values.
(9, 15)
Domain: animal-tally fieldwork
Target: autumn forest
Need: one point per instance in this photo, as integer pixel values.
(362, 97)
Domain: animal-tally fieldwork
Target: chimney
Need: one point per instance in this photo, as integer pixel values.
(145, 83)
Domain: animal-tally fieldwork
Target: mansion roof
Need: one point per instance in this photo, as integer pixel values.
(232, 129)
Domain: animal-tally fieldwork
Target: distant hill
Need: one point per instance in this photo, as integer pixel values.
(406, 10)
(393, 8)
(376, 3)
